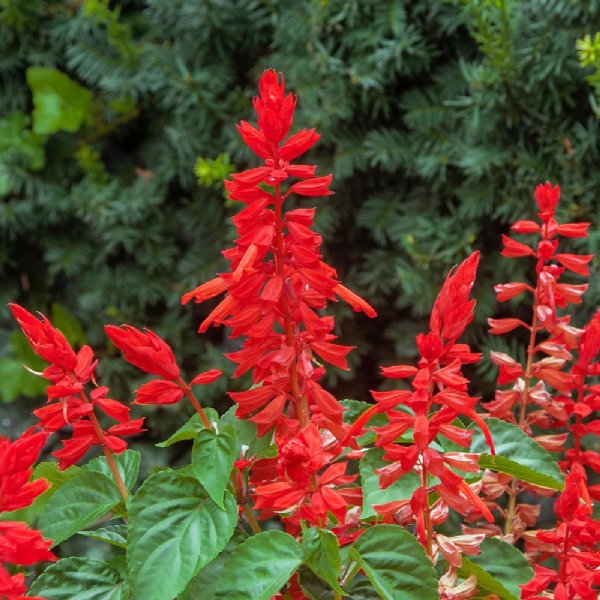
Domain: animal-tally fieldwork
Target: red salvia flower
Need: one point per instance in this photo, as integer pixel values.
(541, 393)
(68, 402)
(16, 467)
(307, 485)
(12, 587)
(21, 545)
(575, 544)
(438, 396)
(277, 280)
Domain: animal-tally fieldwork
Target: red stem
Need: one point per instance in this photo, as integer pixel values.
(107, 451)
(195, 403)
(300, 399)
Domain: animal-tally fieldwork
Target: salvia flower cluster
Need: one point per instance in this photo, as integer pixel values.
(367, 494)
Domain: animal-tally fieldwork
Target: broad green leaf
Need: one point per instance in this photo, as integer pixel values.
(372, 494)
(314, 587)
(115, 535)
(79, 502)
(204, 584)
(362, 589)
(189, 430)
(259, 567)
(212, 460)
(518, 455)
(499, 569)
(396, 564)
(322, 555)
(128, 464)
(175, 529)
(59, 104)
(246, 435)
(80, 579)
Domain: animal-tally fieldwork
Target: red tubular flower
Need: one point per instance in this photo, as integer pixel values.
(277, 280)
(438, 396)
(21, 545)
(12, 587)
(68, 402)
(534, 380)
(574, 544)
(309, 485)
(16, 467)
(47, 342)
(145, 350)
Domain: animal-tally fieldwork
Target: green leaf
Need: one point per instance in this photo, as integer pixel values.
(175, 528)
(402, 489)
(259, 567)
(396, 564)
(322, 554)
(499, 569)
(246, 435)
(204, 584)
(518, 455)
(361, 589)
(128, 465)
(212, 460)
(313, 587)
(189, 430)
(80, 579)
(59, 104)
(115, 535)
(80, 501)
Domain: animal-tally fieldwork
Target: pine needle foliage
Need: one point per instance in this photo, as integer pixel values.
(438, 116)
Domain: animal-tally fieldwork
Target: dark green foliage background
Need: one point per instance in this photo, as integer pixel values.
(438, 119)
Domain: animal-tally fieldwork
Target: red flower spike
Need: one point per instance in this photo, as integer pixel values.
(530, 403)
(47, 342)
(437, 398)
(277, 279)
(145, 350)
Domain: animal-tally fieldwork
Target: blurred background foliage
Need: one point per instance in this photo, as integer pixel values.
(438, 117)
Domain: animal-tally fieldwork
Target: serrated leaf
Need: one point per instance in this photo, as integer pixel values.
(79, 502)
(204, 584)
(396, 564)
(80, 579)
(518, 455)
(322, 555)
(189, 430)
(499, 569)
(175, 528)
(116, 535)
(402, 489)
(59, 104)
(128, 465)
(212, 459)
(267, 561)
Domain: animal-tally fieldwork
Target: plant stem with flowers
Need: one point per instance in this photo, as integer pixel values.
(355, 498)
